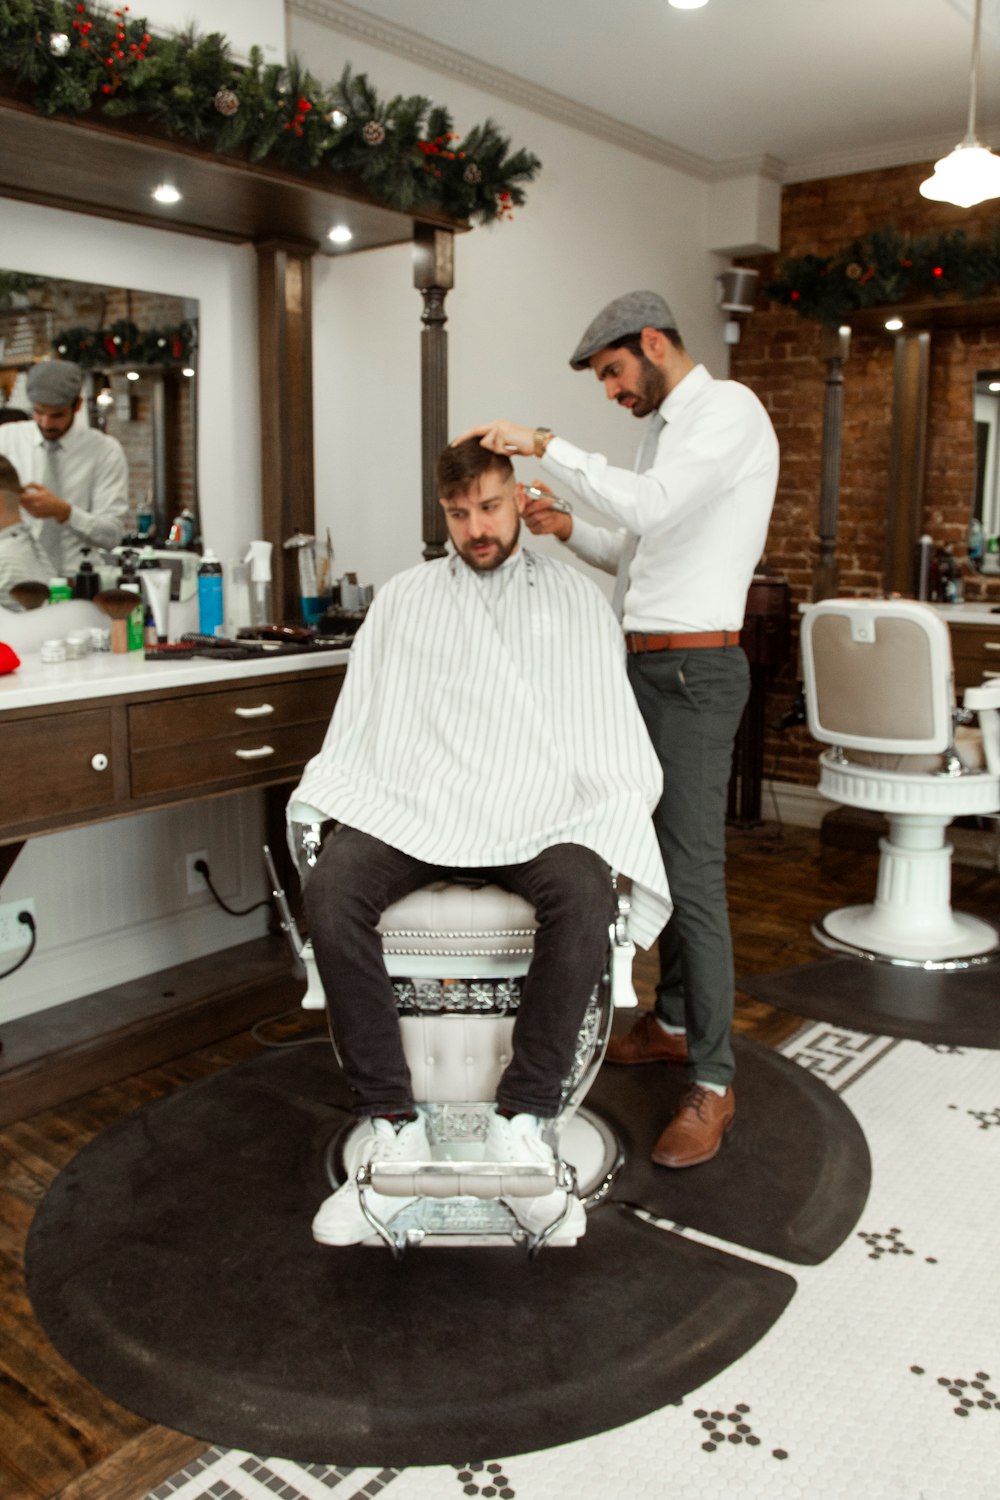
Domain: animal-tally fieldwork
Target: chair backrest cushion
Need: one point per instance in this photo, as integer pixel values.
(878, 676)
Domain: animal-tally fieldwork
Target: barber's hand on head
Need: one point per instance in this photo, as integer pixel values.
(43, 505)
(539, 513)
(502, 437)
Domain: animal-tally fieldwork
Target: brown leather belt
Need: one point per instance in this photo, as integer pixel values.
(637, 641)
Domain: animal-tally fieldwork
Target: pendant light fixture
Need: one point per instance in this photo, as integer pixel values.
(971, 173)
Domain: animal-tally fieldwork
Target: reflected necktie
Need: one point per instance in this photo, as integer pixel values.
(647, 454)
(49, 532)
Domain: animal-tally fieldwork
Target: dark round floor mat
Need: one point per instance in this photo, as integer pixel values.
(171, 1264)
(793, 1173)
(946, 1007)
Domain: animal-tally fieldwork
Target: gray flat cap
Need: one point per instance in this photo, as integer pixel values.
(54, 382)
(628, 314)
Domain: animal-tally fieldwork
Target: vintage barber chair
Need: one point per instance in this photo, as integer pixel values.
(879, 691)
(457, 956)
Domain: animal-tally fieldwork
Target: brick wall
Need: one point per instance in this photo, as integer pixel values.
(781, 357)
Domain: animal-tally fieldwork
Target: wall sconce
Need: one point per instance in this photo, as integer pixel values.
(736, 291)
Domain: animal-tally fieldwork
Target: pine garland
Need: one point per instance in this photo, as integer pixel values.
(885, 268)
(85, 59)
(125, 343)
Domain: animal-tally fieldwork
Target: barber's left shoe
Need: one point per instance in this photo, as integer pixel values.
(696, 1131)
(518, 1140)
(341, 1219)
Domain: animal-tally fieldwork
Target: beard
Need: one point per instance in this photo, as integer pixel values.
(652, 389)
(492, 555)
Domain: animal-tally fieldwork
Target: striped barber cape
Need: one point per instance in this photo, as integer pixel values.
(486, 717)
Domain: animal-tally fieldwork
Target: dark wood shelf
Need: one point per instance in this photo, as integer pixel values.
(946, 312)
(91, 166)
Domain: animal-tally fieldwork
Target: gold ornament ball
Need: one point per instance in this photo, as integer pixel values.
(59, 44)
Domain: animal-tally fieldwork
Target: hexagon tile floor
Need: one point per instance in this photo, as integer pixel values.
(881, 1378)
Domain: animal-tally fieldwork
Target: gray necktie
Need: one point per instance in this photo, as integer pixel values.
(49, 532)
(647, 454)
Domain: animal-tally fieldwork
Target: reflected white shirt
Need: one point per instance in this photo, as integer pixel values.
(701, 512)
(93, 480)
(22, 560)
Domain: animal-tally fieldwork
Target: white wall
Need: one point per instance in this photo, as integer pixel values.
(598, 221)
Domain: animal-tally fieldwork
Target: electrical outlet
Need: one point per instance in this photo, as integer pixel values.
(15, 934)
(195, 880)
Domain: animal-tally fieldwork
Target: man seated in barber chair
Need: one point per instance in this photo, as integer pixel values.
(486, 728)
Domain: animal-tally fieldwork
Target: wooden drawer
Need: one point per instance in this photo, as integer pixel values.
(975, 651)
(48, 766)
(261, 707)
(259, 754)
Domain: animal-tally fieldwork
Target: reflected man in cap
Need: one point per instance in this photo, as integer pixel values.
(692, 518)
(75, 478)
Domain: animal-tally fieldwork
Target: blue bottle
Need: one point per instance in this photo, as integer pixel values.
(210, 610)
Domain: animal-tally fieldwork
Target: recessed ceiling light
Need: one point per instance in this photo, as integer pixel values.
(165, 192)
(688, 4)
(893, 325)
(187, 371)
(994, 385)
(132, 375)
(340, 234)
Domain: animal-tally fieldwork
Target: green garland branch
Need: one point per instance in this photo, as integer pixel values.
(84, 59)
(124, 343)
(888, 267)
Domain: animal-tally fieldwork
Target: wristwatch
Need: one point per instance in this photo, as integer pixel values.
(543, 435)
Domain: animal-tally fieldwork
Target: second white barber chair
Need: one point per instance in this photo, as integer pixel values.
(879, 692)
(457, 956)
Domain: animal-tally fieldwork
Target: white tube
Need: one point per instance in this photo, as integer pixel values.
(156, 584)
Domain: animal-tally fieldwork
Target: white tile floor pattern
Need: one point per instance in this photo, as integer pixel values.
(881, 1381)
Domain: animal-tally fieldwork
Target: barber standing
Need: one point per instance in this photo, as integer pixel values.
(695, 514)
(75, 478)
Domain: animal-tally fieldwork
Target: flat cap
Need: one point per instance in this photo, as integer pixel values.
(625, 315)
(54, 382)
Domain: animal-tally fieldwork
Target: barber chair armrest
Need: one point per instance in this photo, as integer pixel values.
(304, 812)
(623, 996)
(462, 1179)
(984, 700)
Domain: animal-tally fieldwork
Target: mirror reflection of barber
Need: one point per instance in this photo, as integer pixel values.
(75, 479)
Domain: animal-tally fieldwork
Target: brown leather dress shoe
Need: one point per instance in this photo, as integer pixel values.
(695, 1133)
(647, 1042)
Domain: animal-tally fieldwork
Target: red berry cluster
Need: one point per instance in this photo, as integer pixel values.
(298, 119)
(118, 56)
(439, 147)
(506, 207)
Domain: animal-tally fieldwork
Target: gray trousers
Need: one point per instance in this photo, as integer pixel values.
(692, 703)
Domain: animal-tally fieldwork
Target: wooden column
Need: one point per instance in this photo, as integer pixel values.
(433, 276)
(908, 461)
(837, 343)
(284, 304)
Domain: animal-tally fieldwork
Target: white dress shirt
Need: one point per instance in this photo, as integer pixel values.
(93, 480)
(484, 719)
(701, 512)
(22, 560)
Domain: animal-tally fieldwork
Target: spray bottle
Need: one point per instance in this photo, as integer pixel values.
(259, 557)
(210, 610)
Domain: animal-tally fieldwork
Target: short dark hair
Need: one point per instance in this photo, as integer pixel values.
(633, 341)
(10, 479)
(460, 466)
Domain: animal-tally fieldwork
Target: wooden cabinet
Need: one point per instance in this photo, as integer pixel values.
(975, 651)
(70, 764)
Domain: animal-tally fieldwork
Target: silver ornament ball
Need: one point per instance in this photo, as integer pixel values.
(59, 44)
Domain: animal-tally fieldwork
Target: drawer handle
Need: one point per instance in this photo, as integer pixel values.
(991, 674)
(254, 713)
(99, 762)
(991, 645)
(259, 754)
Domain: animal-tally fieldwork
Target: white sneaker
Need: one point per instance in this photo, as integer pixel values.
(519, 1140)
(341, 1219)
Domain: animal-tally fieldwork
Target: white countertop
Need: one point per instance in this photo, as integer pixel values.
(105, 674)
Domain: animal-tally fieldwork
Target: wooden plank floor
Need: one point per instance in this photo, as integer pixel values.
(61, 1440)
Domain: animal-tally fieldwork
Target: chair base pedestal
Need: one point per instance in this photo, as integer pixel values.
(955, 941)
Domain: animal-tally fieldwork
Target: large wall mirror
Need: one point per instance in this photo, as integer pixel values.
(139, 353)
(984, 542)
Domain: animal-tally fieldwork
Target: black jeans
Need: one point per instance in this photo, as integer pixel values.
(357, 877)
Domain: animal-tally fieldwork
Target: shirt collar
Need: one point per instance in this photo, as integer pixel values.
(684, 392)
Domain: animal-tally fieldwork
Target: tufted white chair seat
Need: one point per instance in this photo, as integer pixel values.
(445, 920)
